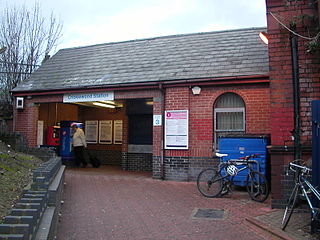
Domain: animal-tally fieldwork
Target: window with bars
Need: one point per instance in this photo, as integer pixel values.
(229, 116)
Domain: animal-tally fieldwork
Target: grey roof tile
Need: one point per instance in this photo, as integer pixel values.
(200, 55)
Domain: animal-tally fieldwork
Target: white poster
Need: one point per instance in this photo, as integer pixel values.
(105, 132)
(176, 129)
(91, 131)
(40, 133)
(117, 132)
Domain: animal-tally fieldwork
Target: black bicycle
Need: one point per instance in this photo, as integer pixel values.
(303, 189)
(215, 183)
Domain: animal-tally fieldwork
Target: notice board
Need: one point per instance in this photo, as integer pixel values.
(176, 129)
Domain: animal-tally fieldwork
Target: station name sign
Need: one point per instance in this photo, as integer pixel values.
(88, 97)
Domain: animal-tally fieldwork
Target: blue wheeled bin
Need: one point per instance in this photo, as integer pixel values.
(241, 146)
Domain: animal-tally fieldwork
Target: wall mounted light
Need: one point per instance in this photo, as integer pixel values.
(19, 103)
(196, 90)
(264, 37)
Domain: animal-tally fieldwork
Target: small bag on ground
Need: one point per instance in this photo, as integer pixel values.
(95, 162)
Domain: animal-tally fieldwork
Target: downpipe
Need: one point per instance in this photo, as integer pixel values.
(162, 157)
(296, 97)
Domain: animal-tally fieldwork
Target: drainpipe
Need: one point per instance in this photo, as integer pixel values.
(296, 97)
(162, 158)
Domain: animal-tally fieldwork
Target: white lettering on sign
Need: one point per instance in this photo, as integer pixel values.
(88, 97)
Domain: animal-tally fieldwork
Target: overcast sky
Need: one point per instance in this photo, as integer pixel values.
(88, 22)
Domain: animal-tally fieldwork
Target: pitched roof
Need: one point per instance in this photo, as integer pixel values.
(191, 56)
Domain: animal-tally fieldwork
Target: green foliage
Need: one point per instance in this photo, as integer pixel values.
(15, 174)
(314, 45)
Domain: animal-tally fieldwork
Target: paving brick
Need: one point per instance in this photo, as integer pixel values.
(109, 203)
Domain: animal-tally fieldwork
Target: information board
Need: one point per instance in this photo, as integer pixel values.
(105, 132)
(117, 132)
(176, 129)
(91, 131)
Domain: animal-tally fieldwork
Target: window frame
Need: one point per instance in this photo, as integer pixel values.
(218, 110)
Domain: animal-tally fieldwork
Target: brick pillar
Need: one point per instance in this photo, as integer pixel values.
(26, 121)
(281, 84)
(157, 158)
(124, 146)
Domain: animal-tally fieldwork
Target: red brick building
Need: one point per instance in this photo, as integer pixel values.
(148, 84)
(294, 83)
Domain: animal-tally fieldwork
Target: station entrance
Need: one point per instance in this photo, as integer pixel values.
(118, 132)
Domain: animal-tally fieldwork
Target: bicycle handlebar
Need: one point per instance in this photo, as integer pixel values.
(250, 156)
(304, 169)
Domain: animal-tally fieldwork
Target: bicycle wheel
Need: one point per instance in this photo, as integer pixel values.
(209, 183)
(290, 206)
(257, 186)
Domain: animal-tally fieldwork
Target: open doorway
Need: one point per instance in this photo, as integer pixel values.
(118, 132)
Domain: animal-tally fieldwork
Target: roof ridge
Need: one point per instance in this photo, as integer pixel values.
(166, 36)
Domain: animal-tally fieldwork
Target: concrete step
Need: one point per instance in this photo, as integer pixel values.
(25, 212)
(34, 195)
(12, 236)
(31, 200)
(15, 229)
(20, 220)
(20, 205)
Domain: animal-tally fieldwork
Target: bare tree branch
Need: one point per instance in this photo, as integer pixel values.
(29, 38)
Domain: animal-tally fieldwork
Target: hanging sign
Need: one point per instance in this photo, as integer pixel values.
(176, 129)
(88, 97)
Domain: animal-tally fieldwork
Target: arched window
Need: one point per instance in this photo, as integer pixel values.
(229, 116)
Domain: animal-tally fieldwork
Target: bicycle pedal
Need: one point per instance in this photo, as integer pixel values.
(317, 215)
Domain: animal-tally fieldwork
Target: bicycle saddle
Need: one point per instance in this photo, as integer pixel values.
(221, 154)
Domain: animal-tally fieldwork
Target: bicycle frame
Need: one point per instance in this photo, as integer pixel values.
(303, 180)
(214, 183)
(237, 162)
(302, 186)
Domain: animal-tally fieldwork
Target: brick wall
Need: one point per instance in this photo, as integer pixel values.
(178, 164)
(106, 157)
(281, 83)
(182, 168)
(25, 120)
(184, 165)
(137, 161)
(201, 107)
(281, 69)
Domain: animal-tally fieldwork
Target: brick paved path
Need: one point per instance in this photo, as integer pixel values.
(108, 203)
